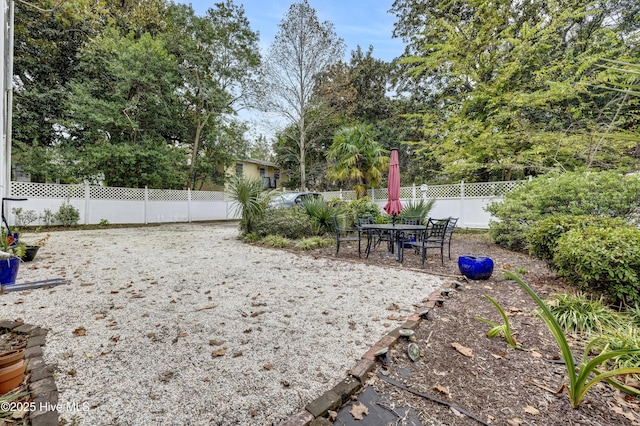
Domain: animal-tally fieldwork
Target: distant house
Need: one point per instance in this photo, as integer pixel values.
(267, 171)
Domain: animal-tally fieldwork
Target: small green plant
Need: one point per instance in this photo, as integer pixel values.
(24, 217)
(576, 313)
(103, 223)
(314, 243)
(579, 382)
(621, 338)
(275, 241)
(67, 214)
(504, 329)
(252, 237)
(13, 395)
(48, 217)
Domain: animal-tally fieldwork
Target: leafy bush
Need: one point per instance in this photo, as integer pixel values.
(621, 338)
(320, 213)
(289, 223)
(250, 200)
(314, 243)
(67, 214)
(542, 237)
(362, 207)
(605, 194)
(251, 237)
(48, 217)
(24, 217)
(603, 259)
(275, 241)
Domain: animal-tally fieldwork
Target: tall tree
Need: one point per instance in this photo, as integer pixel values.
(357, 158)
(303, 48)
(507, 83)
(218, 57)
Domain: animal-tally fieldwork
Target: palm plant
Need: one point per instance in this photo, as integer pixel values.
(250, 198)
(320, 213)
(357, 158)
(418, 209)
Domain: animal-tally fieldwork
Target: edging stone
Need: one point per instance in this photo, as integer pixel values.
(42, 386)
(343, 390)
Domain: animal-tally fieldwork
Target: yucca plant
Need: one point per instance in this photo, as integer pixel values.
(320, 213)
(251, 200)
(579, 376)
(504, 329)
(419, 209)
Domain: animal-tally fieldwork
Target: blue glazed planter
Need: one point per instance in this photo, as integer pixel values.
(9, 270)
(475, 267)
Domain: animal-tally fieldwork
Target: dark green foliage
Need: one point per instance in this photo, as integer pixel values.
(603, 259)
(362, 207)
(606, 194)
(320, 213)
(420, 208)
(288, 223)
(577, 313)
(542, 237)
(67, 214)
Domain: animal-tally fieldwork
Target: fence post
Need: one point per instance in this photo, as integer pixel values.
(189, 205)
(341, 194)
(146, 200)
(87, 202)
(462, 202)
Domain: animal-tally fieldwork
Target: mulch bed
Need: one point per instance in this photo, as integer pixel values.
(497, 384)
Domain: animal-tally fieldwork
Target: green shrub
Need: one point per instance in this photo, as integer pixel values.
(251, 237)
(603, 259)
(542, 237)
(289, 223)
(314, 243)
(606, 194)
(362, 207)
(67, 214)
(275, 241)
(621, 338)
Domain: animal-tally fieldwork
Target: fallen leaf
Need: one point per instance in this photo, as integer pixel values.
(218, 352)
(496, 356)
(514, 422)
(468, 352)
(536, 354)
(456, 412)
(80, 331)
(332, 415)
(531, 410)
(358, 411)
(268, 367)
(441, 389)
(393, 307)
(214, 342)
(183, 334)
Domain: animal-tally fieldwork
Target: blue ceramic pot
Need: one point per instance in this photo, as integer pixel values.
(475, 267)
(9, 270)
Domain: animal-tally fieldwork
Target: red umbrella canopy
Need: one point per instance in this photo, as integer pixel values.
(393, 206)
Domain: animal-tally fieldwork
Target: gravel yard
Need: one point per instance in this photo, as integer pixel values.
(185, 324)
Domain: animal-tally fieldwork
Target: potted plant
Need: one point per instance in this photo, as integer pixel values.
(32, 247)
(10, 251)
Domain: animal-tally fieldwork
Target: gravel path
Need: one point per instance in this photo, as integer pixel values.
(184, 324)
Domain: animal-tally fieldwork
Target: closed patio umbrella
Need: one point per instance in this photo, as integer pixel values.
(393, 206)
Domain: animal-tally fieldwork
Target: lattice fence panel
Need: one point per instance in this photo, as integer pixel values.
(330, 195)
(380, 194)
(406, 193)
(114, 193)
(46, 190)
(443, 191)
(348, 195)
(490, 189)
(208, 196)
(168, 195)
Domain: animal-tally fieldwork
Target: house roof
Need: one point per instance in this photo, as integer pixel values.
(260, 162)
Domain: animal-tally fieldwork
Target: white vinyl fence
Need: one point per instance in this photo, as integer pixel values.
(142, 206)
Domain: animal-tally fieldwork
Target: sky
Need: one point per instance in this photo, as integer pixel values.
(357, 22)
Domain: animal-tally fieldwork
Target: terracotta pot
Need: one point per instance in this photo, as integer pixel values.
(11, 376)
(11, 357)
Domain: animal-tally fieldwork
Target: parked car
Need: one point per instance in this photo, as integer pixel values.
(290, 199)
